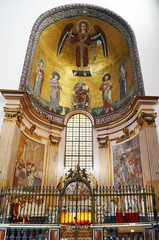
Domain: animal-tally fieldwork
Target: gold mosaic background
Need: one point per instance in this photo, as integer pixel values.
(118, 52)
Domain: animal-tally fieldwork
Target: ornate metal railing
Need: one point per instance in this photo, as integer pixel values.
(47, 205)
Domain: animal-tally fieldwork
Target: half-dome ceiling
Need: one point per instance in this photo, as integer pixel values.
(81, 57)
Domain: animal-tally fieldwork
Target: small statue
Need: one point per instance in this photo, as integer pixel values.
(32, 129)
(78, 168)
(70, 175)
(84, 174)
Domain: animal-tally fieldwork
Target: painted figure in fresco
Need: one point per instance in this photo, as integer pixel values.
(83, 41)
(26, 173)
(127, 163)
(98, 235)
(55, 89)
(129, 170)
(53, 235)
(81, 94)
(106, 88)
(30, 178)
(39, 77)
(123, 81)
(28, 168)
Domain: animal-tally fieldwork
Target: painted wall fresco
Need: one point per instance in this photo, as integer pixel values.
(127, 163)
(2, 234)
(29, 165)
(81, 44)
(53, 234)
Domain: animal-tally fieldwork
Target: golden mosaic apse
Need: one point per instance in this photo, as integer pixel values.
(65, 62)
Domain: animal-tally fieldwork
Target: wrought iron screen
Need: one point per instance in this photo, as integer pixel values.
(77, 205)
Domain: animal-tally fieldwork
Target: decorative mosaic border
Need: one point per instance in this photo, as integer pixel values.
(111, 117)
(75, 10)
(49, 116)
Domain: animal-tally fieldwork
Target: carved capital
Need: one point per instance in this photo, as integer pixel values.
(147, 119)
(54, 141)
(103, 142)
(13, 115)
(126, 134)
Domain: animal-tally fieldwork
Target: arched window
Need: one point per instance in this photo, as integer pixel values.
(79, 144)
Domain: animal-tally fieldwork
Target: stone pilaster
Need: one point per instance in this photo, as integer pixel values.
(9, 144)
(52, 160)
(149, 146)
(104, 162)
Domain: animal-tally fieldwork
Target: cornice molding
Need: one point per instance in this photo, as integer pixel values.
(23, 107)
(26, 107)
(138, 103)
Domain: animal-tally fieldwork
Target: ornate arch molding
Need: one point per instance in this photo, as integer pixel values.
(79, 175)
(74, 10)
(69, 115)
(77, 178)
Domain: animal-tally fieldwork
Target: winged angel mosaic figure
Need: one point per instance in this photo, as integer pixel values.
(83, 41)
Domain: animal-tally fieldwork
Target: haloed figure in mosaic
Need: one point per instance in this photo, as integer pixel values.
(39, 77)
(106, 88)
(81, 94)
(123, 80)
(83, 41)
(55, 89)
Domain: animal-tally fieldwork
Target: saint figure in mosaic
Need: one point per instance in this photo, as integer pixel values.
(55, 89)
(106, 88)
(39, 77)
(123, 81)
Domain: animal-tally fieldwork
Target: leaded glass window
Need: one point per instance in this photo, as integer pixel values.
(79, 144)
